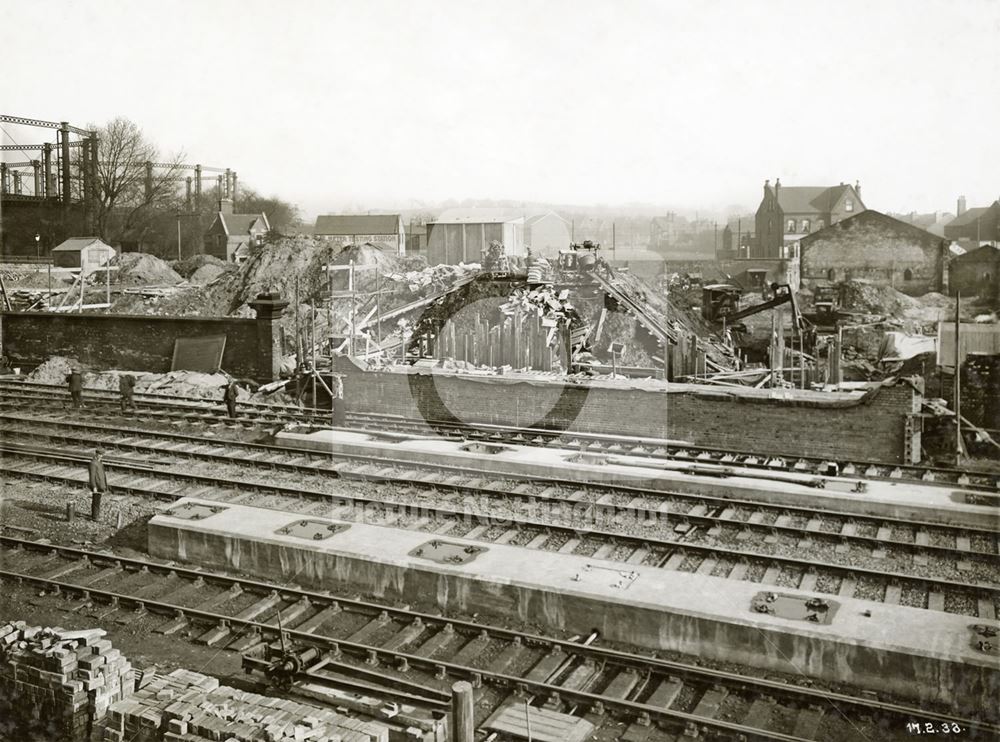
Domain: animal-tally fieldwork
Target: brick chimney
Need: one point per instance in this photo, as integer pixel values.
(961, 206)
(226, 205)
(857, 188)
(767, 186)
(777, 189)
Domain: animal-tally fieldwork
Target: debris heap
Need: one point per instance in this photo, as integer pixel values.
(59, 683)
(173, 383)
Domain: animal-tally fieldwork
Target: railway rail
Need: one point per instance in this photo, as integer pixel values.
(198, 410)
(678, 546)
(408, 648)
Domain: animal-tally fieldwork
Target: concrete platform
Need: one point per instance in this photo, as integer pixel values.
(925, 502)
(919, 654)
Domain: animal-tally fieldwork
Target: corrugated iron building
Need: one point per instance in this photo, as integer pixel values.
(462, 235)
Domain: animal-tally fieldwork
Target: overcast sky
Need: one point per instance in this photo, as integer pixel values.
(688, 104)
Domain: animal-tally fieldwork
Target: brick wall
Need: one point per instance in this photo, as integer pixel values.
(135, 342)
(878, 248)
(871, 429)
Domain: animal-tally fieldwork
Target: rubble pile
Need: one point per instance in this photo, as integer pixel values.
(187, 706)
(174, 383)
(545, 302)
(58, 683)
(859, 295)
(433, 278)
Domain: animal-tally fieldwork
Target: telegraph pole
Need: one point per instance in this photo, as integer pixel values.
(958, 378)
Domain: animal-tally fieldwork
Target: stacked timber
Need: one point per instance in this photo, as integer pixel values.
(59, 683)
(187, 706)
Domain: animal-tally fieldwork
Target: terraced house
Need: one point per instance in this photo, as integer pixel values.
(788, 213)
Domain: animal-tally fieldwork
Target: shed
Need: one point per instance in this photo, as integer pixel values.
(977, 272)
(86, 253)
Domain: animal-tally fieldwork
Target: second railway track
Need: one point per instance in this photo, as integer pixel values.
(419, 651)
(605, 522)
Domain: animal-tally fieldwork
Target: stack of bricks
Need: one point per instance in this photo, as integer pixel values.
(186, 706)
(59, 681)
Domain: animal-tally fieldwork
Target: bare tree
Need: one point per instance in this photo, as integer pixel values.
(133, 181)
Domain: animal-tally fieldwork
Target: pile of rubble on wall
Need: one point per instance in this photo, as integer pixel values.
(58, 683)
(433, 278)
(174, 383)
(187, 706)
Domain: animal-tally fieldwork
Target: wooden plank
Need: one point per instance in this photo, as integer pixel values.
(546, 725)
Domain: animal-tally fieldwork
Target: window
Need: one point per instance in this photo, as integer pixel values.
(831, 275)
(790, 226)
(820, 224)
(804, 227)
(849, 205)
(907, 275)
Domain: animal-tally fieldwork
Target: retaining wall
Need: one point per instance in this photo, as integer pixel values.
(139, 342)
(839, 426)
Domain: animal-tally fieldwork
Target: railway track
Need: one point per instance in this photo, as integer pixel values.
(408, 649)
(615, 523)
(201, 411)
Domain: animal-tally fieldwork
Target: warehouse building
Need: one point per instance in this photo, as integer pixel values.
(876, 247)
(383, 230)
(462, 235)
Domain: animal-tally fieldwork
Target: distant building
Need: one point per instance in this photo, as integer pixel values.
(416, 239)
(86, 253)
(737, 236)
(665, 230)
(461, 235)
(787, 214)
(383, 230)
(933, 222)
(980, 225)
(231, 236)
(877, 247)
(977, 273)
(547, 233)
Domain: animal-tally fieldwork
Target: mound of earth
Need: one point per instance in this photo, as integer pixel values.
(142, 269)
(207, 273)
(189, 266)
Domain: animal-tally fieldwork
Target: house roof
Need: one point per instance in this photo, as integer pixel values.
(969, 217)
(479, 216)
(869, 215)
(75, 244)
(352, 224)
(240, 223)
(810, 199)
(986, 252)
